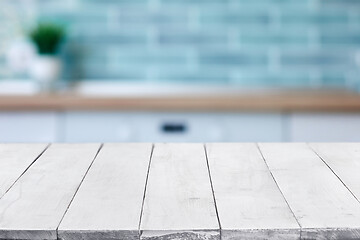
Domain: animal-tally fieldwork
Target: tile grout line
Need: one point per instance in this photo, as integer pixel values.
(282, 194)
(77, 189)
(212, 189)
(27, 168)
(323, 160)
(146, 182)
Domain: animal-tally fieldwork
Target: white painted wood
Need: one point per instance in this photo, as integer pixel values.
(179, 202)
(250, 205)
(344, 160)
(14, 160)
(35, 205)
(109, 201)
(323, 206)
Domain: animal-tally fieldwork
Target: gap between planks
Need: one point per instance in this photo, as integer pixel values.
(250, 205)
(277, 185)
(82, 180)
(198, 219)
(322, 159)
(146, 181)
(40, 219)
(119, 204)
(330, 228)
(27, 168)
(212, 189)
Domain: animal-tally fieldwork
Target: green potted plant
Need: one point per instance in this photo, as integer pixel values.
(47, 65)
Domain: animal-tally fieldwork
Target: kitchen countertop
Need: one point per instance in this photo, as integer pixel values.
(309, 100)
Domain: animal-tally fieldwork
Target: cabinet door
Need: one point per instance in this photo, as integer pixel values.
(253, 127)
(207, 127)
(97, 126)
(171, 127)
(28, 126)
(138, 127)
(178, 127)
(324, 127)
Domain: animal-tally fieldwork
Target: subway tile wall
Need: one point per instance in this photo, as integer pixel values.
(266, 43)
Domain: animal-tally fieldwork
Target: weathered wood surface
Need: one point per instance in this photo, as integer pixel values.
(344, 160)
(179, 203)
(35, 205)
(180, 191)
(14, 160)
(110, 198)
(321, 203)
(250, 205)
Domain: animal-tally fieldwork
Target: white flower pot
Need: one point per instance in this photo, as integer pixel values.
(46, 69)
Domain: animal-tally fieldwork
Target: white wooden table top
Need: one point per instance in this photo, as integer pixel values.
(180, 191)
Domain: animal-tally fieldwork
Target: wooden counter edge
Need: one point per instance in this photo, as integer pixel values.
(249, 102)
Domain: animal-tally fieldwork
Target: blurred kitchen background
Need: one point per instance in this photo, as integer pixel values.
(200, 51)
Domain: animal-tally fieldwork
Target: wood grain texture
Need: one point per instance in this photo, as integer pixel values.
(109, 201)
(14, 160)
(344, 160)
(322, 205)
(250, 205)
(179, 202)
(35, 205)
(257, 100)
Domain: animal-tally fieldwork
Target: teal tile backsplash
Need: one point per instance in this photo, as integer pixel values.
(260, 43)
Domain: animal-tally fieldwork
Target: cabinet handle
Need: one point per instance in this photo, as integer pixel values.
(174, 128)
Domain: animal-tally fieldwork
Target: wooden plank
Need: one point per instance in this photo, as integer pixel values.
(322, 205)
(35, 205)
(109, 201)
(344, 160)
(14, 160)
(249, 204)
(179, 202)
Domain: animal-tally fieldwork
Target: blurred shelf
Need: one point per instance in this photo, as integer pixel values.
(247, 101)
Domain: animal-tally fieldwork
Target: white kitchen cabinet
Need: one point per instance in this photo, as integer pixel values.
(253, 127)
(114, 126)
(177, 127)
(29, 126)
(97, 127)
(208, 127)
(138, 127)
(171, 127)
(324, 127)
